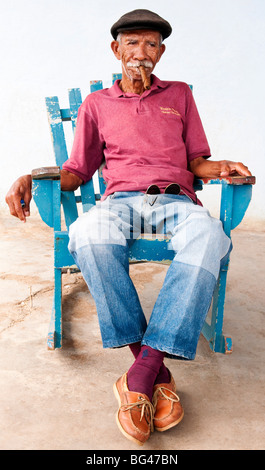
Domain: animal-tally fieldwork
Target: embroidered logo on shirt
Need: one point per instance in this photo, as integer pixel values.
(169, 111)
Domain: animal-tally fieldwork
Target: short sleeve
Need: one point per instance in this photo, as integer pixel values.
(87, 151)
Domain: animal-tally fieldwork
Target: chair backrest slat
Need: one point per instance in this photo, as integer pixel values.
(87, 190)
(65, 115)
(57, 131)
(75, 101)
(96, 85)
(61, 154)
(116, 76)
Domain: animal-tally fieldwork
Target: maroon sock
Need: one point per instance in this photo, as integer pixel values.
(144, 371)
(135, 348)
(163, 374)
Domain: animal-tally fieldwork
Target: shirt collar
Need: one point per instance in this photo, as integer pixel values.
(116, 92)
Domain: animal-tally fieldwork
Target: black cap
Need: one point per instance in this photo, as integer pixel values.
(141, 19)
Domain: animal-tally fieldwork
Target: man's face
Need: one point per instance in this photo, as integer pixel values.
(138, 48)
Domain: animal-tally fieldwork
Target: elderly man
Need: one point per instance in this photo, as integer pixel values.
(150, 136)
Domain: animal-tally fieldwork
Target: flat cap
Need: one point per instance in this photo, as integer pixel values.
(141, 19)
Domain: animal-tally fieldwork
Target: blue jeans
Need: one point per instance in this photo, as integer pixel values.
(99, 243)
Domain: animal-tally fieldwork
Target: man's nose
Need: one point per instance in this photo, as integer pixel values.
(140, 52)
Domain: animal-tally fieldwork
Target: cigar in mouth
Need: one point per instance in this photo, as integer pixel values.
(145, 79)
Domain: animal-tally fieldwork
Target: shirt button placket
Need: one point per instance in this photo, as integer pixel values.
(140, 106)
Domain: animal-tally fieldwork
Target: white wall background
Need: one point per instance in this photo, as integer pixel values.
(48, 46)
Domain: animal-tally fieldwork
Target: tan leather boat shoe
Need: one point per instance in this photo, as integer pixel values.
(167, 406)
(135, 415)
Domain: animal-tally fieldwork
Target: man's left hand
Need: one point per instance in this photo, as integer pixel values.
(203, 168)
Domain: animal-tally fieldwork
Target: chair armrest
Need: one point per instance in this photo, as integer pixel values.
(46, 192)
(235, 197)
(46, 172)
(235, 180)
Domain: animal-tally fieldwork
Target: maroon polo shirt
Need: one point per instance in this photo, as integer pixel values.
(144, 140)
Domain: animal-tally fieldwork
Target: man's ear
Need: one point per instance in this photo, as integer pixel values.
(115, 46)
(162, 50)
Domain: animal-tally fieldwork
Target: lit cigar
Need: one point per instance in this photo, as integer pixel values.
(145, 79)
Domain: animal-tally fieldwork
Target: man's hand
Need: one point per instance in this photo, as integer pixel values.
(203, 168)
(20, 189)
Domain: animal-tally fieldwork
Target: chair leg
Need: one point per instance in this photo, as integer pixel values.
(220, 343)
(55, 329)
(214, 332)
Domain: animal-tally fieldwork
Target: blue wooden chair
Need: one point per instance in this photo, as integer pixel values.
(235, 197)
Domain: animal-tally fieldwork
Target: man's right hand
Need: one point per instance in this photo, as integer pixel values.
(20, 189)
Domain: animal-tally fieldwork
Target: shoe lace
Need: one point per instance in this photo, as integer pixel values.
(160, 391)
(147, 409)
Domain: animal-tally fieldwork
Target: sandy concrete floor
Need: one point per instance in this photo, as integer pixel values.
(63, 399)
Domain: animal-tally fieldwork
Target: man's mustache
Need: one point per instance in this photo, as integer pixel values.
(145, 63)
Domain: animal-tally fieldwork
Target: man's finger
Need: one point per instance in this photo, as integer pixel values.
(232, 168)
(242, 169)
(27, 199)
(19, 211)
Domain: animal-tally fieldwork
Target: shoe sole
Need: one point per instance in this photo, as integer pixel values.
(171, 425)
(131, 438)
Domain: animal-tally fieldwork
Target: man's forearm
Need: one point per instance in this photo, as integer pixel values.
(203, 168)
(69, 181)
